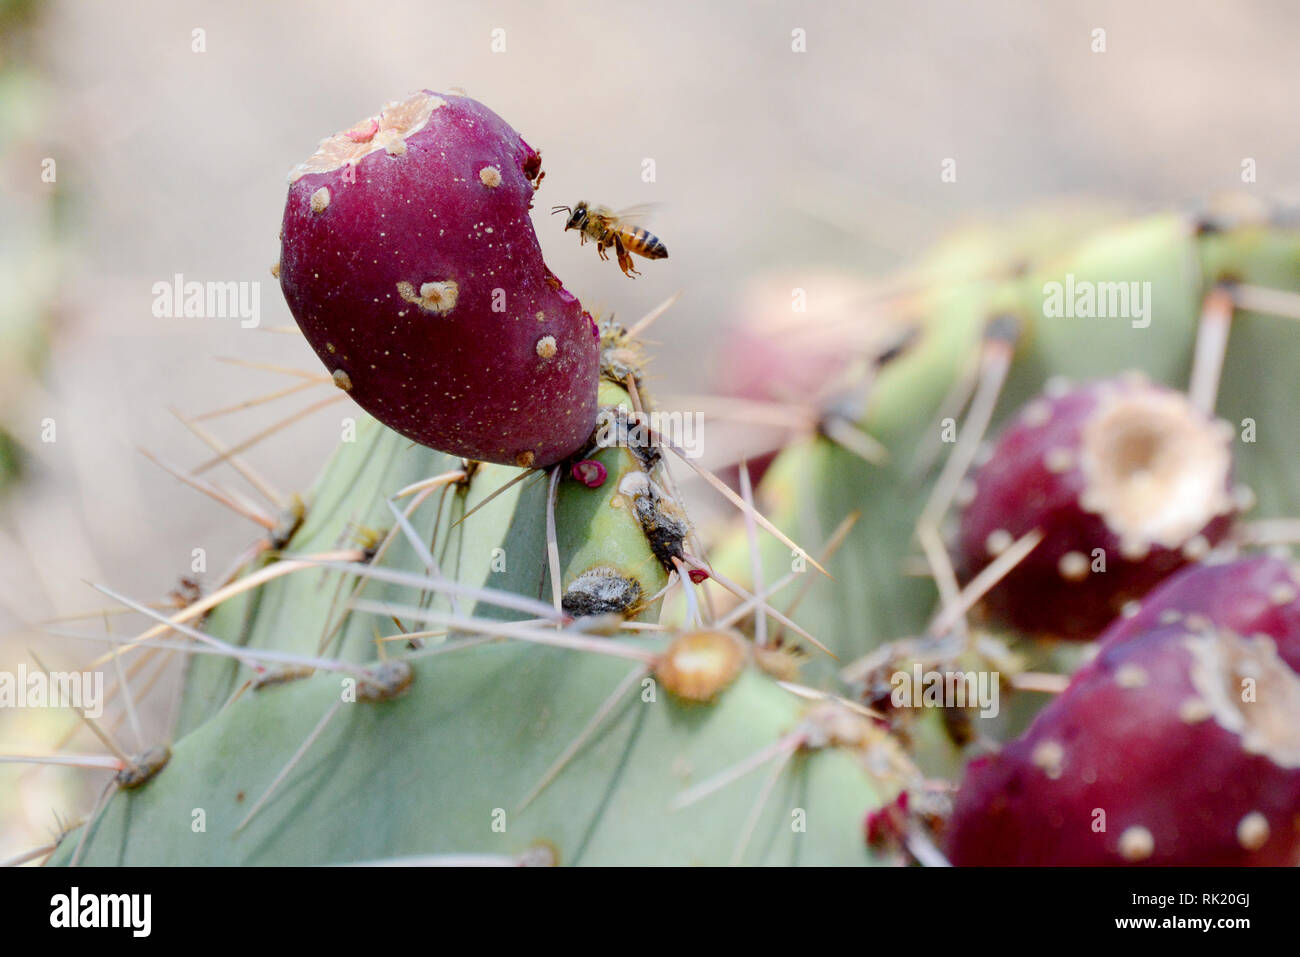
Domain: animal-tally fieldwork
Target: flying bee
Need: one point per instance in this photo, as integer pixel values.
(617, 230)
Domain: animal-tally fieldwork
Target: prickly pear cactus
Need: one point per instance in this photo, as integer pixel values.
(470, 654)
(444, 766)
(1208, 285)
(540, 661)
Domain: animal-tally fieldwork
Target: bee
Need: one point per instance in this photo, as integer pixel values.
(618, 231)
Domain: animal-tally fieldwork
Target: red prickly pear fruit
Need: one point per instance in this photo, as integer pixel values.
(1177, 747)
(410, 263)
(796, 336)
(1126, 481)
(1257, 595)
(788, 338)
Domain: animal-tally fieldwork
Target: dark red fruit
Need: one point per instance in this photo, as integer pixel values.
(1259, 595)
(788, 340)
(1126, 481)
(410, 263)
(792, 342)
(1177, 746)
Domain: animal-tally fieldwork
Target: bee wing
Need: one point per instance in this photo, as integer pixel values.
(635, 215)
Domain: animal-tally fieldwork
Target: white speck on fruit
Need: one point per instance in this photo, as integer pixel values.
(1136, 844)
(1058, 461)
(999, 541)
(490, 176)
(1073, 566)
(1282, 594)
(1131, 676)
(436, 297)
(1252, 831)
(1193, 711)
(342, 380)
(1049, 757)
(275, 270)
(1134, 551)
(546, 347)
(320, 200)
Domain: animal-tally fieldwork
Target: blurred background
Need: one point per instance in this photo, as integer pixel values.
(139, 140)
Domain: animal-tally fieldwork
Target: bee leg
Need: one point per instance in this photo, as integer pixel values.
(600, 248)
(625, 260)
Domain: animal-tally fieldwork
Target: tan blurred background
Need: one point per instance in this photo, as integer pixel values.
(174, 161)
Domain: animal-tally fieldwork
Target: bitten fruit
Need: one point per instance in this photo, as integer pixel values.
(1178, 746)
(1126, 481)
(1256, 595)
(410, 263)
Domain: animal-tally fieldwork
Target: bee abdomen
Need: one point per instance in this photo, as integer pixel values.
(645, 243)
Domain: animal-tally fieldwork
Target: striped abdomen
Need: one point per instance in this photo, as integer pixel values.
(642, 242)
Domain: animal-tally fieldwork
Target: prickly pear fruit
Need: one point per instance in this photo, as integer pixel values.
(1126, 481)
(784, 346)
(1178, 746)
(803, 340)
(1257, 595)
(410, 263)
